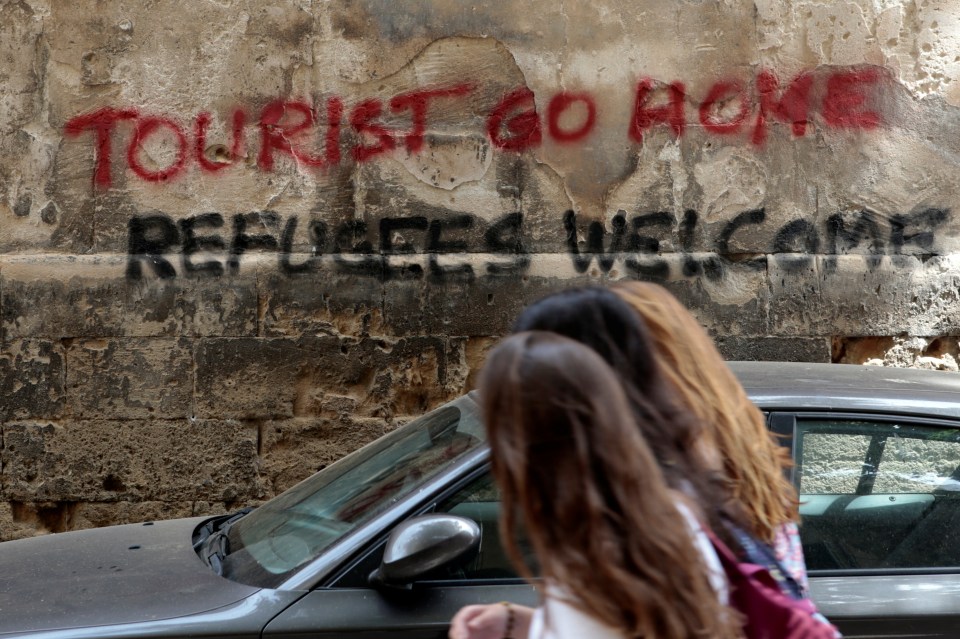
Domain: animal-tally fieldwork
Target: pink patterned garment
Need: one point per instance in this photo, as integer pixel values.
(789, 552)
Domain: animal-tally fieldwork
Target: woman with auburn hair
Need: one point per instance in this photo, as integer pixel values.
(753, 463)
(621, 553)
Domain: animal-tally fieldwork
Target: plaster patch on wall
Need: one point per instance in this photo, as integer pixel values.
(650, 186)
(774, 20)
(914, 174)
(395, 186)
(374, 20)
(447, 162)
(25, 144)
(22, 59)
(918, 42)
(938, 41)
(889, 32)
(732, 179)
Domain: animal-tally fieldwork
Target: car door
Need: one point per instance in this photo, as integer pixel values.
(349, 605)
(880, 509)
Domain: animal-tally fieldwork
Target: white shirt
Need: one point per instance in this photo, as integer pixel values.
(567, 622)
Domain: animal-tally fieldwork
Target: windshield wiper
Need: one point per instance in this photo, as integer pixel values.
(216, 546)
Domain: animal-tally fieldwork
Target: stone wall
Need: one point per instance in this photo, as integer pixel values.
(240, 239)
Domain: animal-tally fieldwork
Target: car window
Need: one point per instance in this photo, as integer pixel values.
(479, 500)
(878, 494)
(287, 532)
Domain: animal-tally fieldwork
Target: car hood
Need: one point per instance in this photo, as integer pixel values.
(120, 574)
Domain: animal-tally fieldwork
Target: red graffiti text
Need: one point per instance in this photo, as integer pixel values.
(312, 135)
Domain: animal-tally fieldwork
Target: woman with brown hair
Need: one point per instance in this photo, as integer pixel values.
(621, 554)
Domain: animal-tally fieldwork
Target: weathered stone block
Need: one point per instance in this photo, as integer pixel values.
(112, 461)
(281, 378)
(729, 297)
(251, 378)
(32, 378)
(479, 306)
(96, 514)
(473, 352)
(58, 297)
(135, 378)
(795, 302)
(20, 519)
(933, 298)
(864, 295)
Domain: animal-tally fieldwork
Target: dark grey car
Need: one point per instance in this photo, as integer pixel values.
(393, 539)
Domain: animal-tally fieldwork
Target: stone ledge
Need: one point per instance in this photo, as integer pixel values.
(64, 296)
(775, 349)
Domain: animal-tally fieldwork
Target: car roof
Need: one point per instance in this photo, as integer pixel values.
(849, 387)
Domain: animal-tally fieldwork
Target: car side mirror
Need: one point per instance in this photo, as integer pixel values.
(422, 544)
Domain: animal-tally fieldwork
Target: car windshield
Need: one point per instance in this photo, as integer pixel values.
(286, 533)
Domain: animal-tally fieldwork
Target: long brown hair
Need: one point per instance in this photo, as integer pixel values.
(577, 477)
(753, 461)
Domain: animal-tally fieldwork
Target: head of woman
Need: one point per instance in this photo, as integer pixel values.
(577, 477)
(599, 319)
(752, 461)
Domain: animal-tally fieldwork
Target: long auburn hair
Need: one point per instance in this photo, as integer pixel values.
(753, 461)
(577, 478)
(598, 318)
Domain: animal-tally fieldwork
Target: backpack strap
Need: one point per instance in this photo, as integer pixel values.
(767, 611)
